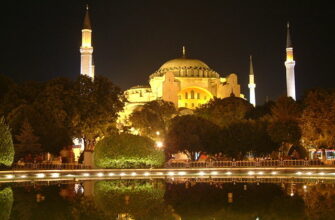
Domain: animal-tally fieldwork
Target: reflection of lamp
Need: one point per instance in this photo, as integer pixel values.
(230, 197)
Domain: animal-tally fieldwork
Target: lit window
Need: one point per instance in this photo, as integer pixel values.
(192, 94)
(186, 105)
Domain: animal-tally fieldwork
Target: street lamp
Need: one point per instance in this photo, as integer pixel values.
(159, 144)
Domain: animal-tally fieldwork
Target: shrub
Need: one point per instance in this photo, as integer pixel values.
(127, 151)
(6, 145)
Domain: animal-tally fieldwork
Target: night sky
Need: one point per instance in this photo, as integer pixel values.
(40, 40)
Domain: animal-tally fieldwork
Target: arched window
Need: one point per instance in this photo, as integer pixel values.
(198, 95)
(192, 94)
(186, 95)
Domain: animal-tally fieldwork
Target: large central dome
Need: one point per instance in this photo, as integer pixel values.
(183, 62)
(184, 67)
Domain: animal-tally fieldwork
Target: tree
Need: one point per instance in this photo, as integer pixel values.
(318, 119)
(224, 111)
(191, 134)
(127, 151)
(284, 123)
(285, 108)
(97, 105)
(6, 144)
(153, 117)
(247, 136)
(27, 141)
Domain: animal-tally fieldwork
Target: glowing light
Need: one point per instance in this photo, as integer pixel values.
(305, 187)
(260, 173)
(309, 173)
(70, 175)
(55, 175)
(158, 133)
(299, 173)
(146, 174)
(111, 174)
(159, 173)
(86, 174)
(322, 173)
(40, 175)
(251, 173)
(229, 173)
(122, 174)
(214, 172)
(133, 174)
(273, 172)
(159, 144)
(201, 173)
(100, 174)
(170, 173)
(292, 194)
(9, 176)
(181, 173)
(23, 176)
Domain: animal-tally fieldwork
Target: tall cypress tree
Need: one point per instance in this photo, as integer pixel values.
(6, 144)
(27, 141)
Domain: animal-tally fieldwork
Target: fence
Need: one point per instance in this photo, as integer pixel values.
(49, 166)
(261, 163)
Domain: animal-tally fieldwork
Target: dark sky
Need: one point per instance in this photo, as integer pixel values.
(40, 39)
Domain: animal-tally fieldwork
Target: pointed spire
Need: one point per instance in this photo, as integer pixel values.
(87, 22)
(288, 38)
(184, 52)
(251, 69)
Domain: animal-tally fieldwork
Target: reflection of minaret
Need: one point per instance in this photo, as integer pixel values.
(290, 63)
(252, 85)
(86, 49)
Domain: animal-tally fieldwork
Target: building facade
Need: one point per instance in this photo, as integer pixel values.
(186, 82)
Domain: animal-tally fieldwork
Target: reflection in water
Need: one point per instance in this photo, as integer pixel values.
(6, 201)
(169, 199)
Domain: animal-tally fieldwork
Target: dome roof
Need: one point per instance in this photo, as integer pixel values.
(185, 67)
(183, 62)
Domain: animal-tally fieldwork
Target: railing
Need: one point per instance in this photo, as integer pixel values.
(261, 163)
(49, 166)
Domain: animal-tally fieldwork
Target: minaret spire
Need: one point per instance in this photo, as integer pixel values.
(252, 85)
(86, 49)
(184, 52)
(289, 64)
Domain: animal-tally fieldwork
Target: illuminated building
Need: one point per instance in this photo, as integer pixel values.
(186, 82)
(290, 63)
(252, 85)
(86, 49)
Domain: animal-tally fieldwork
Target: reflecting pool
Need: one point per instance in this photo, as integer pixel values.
(171, 198)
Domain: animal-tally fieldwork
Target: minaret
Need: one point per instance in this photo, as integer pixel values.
(86, 49)
(290, 63)
(252, 85)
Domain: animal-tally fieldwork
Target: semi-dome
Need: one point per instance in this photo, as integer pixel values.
(185, 67)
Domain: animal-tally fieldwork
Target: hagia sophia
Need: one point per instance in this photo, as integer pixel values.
(186, 82)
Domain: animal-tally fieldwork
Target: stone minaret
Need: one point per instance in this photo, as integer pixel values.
(290, 63)
(252, 85)
(86, 49)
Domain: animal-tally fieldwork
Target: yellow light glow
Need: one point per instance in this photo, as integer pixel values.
(111, 174)
(40, 175)
(100, 174)
(181, 173)
(251, 173)
(86, 174)
(55, 175)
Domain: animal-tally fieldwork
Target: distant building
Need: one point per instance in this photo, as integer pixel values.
(186, 82)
